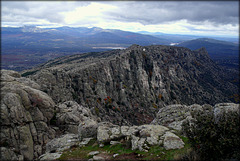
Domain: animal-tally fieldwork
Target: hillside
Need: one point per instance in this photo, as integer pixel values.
(223, 52)
(129, 86)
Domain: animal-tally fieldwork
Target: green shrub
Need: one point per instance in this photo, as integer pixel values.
(214, 140)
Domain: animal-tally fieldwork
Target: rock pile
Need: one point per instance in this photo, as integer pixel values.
(140, 137)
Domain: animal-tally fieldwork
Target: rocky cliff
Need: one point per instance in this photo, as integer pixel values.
(129, 86)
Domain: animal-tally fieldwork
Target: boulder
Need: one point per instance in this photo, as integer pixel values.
(60, 144)
(25, 115)
(93, 153)
(87, 128)
(70, 114)
(172, 141)
(50, 156)
(224, 108)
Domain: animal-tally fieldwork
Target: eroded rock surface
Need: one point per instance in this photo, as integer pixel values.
(173, 116)
(25, 115)
(70, 114)
(128, 87)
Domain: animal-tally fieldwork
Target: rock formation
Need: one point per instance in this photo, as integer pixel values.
(173, 116)
(128, 87)
(110, 96)
(70, 114)
(25, 116)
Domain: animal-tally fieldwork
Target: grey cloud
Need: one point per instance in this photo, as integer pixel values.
(158, 12)
(147, 13)
(31, 12)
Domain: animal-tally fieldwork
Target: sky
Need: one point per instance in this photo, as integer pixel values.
(215, 18)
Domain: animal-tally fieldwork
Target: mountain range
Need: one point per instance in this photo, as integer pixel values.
(28, 46)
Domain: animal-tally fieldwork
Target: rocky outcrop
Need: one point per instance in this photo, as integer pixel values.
(55, 147)
(173, 116)
(128, 87)
(137, 137)
(25, 116)
(140, 137)
(70, 114)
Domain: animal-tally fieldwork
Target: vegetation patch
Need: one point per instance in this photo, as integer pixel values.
(29, 73)
(125, 153)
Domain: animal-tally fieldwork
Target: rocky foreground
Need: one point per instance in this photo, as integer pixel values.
(33, 126)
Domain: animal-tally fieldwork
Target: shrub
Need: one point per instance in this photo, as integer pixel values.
(214, 140)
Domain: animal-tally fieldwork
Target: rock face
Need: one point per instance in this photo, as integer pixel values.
(173, 116)
(127, 87)
(25, 115)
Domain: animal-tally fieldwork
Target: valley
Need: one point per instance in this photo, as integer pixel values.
(28, 46)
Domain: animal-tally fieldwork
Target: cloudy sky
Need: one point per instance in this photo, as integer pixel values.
(184, 17)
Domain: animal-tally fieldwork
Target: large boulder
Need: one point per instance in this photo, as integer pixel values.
(172, 141)
(173, 116)
(70, 114)
(25, 116)
(221, 109)
(60, 144)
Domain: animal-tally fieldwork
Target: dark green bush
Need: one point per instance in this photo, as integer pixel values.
(214, 139)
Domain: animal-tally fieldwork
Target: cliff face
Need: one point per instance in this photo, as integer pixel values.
(129, 86)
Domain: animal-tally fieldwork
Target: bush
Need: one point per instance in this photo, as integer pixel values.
(214, 139)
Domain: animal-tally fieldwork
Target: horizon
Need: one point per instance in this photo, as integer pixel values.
(139, 32)
(201, 18)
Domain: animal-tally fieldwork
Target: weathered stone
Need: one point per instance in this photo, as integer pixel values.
(70, 114)
(114, 142)
(103, 134)
(224, 108)
(26, 112)
(134, 142)
(7, 154)
(172, 141)
(26, 142)
(93, 153)
(84, 142)
(50, 156)
(60, 144)
(95, 157)
(87, 128)
(115, 155)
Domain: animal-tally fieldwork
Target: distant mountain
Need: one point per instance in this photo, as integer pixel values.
(225, 54)
(177, 38)
(27, 46)
(217, 49)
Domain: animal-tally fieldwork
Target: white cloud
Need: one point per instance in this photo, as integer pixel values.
(93, 13)
(183, 17)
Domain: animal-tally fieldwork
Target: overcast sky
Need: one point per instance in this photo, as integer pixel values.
(184, 17)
